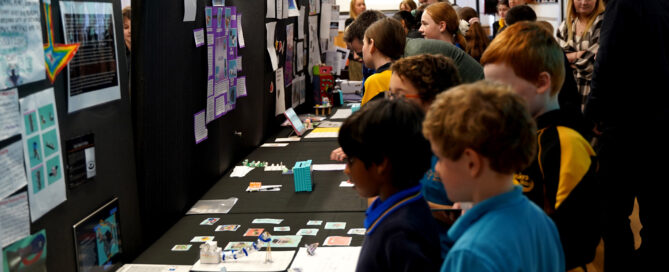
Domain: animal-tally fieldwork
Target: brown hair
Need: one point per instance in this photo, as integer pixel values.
(571, 16)
(477, 40)
(488, 118)
(126, 13)
(529, 49)
(356, 30)
(389, 37)
(444, 12)
(409, 3)
(429, 74)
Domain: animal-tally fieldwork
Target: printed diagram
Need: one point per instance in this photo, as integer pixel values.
(46, 116)
(37, 177)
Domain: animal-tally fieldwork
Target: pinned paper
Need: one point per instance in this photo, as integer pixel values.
(280, 93)
(198, 34)
(189, 10)
(270, 27)
(14, 219)
(240, 33)
(10, 119)
(241, 86)
(11, 166)
(211, 107)
(271, 9)
(200, 127)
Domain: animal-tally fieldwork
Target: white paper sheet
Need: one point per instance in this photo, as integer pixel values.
(254, 262)
(210, 60)
(14, 219)
(280, 93)
(346, 184)
(189, 10)
(342, 114)
(326, 17)
(213, 206)
(328, 167)
(314, 47)
(10, 120)
(41, 148)
(271, 9)
(300, 23)
(299, 57)
(219, 102)
(198, 35)
(240, 32)
(293, 9)
(200, 127)
(314, 135)
(154, 268)
(222, 87)
(239, 63)
(279, 9)
(270, 44)
(327, 259)
(13, 175)
(274, 145)
(330, 124)
(240, 171)
(241, 86)
(288, 139)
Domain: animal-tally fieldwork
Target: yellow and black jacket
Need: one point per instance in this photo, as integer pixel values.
(562, 181)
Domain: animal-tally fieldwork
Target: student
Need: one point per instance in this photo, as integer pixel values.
(502, 8)
(479, 150)
(401, 234)
(383, 43)
(409, 23)
(440, 22)
(354, 35)
(561, 179)
(407, 5)
(419, 79)
(477, 40)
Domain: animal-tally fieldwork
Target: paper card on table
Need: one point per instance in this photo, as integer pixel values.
(11, 166)
(285, 241)
(255, 185)
(181, 247)
(200, 239)
(271, 9)
(200, 127)
(213, 206)
(282, 228)
(288, 139)
(253, 232)
(240, 171)
(14, 219)
(346, 183)
(280, 92)
(330, 124)
(240, 33)
(198, 34)
(267, 221)
(314, 222)
(335, 225)
(210, 221)
(154, 267)
(337, 241)
(326, 259)
(189, 10)
(357, 231)
(270, 27)
(237, 245)
(342, 114)
(211, 109)
(329, 167)
(255, 261)
(227, 228)
(10, 118)
(304, 232)
(274, 145)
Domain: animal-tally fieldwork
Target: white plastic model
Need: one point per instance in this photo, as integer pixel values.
(210, 253)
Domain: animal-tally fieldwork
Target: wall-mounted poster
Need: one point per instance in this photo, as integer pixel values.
(93, 73)
(21, 52)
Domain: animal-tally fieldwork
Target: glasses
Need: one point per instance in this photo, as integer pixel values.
(391, 95)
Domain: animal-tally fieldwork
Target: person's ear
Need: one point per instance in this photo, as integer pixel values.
(383, 168)
(442, 26)
(372, 48)
(543, 83)
(473, 161)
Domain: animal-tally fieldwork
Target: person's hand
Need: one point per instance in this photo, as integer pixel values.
(338, 155)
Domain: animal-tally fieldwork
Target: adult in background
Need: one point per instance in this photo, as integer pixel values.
(477, 40)
(628, 101)
(578, 36)
(407, 5)
(440, 22)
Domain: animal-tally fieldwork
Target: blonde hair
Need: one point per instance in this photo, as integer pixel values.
(352, 12)
(486, 117)
(444, 12)
(571, 16)
(529, 49)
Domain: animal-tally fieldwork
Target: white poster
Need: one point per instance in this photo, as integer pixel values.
(271, 50)
(314, 50)
(93, 72)
(42, 152)
(21, 45)
(280, 92)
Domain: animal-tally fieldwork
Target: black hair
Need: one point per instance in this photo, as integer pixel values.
(409, 20)
(392, 130)
(520, 13)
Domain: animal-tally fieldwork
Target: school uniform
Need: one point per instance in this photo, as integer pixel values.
(401, 235)
(376, 84)
(504, 233)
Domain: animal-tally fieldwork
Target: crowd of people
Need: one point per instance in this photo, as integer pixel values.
(534, 134)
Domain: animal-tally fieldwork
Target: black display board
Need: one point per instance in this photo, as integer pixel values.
(169, 87)
(111, 125)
